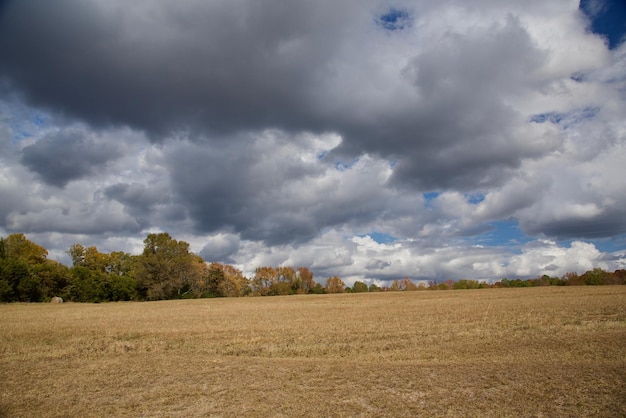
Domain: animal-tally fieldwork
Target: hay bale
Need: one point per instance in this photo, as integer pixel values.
(56, 299)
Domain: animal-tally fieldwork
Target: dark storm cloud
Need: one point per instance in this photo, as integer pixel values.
(220, 248)
(207, 68)
(68, 155)
(225, 189)
(139, 199)
(162, 67)
(460, 136)
(609, 223)
(277, 191)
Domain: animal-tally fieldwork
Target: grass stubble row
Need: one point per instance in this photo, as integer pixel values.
(538, 352)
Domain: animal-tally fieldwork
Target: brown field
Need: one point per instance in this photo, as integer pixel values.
(535, 352)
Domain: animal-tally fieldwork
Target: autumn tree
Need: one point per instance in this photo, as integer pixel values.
(334, 285)
(222, 280)
(408, 284)
(167, 268)
(97, 276)
(287, 281)
(77, 254)
(25, 272)
(18, 247)
(306, 282)
(317, 289)
(264, 278)
(235, 283)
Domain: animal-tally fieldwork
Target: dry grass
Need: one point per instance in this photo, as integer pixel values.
(495, 352)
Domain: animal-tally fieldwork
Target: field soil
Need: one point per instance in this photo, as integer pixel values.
(532, 352)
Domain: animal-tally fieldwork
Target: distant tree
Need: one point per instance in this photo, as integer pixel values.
(235, 283)
(53, 279)
(166, 269)
(595, 277)
(12, 273)
(408, 284)
(617, 277)
(334, 285)
(573, 279)
(120, 263)
(77, 254)
(25, 272)
(287, 281)
(318, 289)
(359, 287)
(264, 278)
(213, 281)
(87, 285)
(443, 286)
(374, 288)
(466, 284)
(18, 247)
(306, 280)
(120, 287)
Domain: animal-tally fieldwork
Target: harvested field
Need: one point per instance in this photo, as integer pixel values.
(548, 351)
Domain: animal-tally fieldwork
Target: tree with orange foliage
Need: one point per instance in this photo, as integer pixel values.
(334, 285)
(264, 278)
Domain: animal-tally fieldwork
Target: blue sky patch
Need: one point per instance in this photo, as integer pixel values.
(430, 196)
(381, 237)
(475, 198)
(394, 19)
(342, 166)
(503, 234)
(608, 18)
(567, 118)
(605, 245)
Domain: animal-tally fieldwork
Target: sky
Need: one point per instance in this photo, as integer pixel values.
(373, 140)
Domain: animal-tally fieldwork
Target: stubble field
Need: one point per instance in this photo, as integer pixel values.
(540, 352)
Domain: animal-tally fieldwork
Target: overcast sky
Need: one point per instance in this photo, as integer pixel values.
(374, 140)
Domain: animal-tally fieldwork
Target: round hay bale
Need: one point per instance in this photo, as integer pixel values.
(56, 299)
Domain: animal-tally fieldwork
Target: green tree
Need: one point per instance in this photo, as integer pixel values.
(12, 273)
(120, 287)
(25, 272)
(359, 287)
(466, 284)
(317, 289)
(87, 285)
(77, 254)
(374, 288)
(166, 269)
(53, 279)
(17, 246)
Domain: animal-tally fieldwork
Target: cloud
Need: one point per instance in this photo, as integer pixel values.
(68, 155)
(210, 68)
(221, 247)
(216, 66)
(301, 135)
(280, 190)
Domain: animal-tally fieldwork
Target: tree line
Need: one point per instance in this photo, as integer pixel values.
(167, 269)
